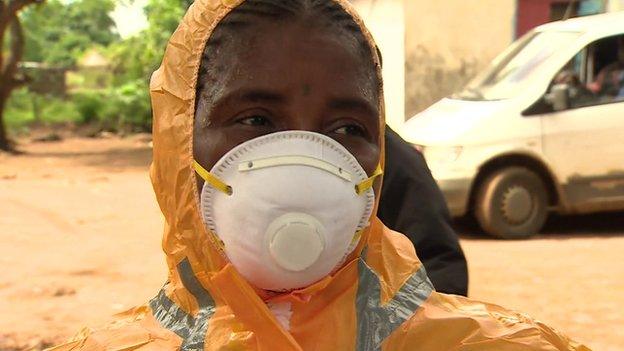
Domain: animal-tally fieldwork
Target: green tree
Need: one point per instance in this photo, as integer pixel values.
(137, 57)
(59, 32)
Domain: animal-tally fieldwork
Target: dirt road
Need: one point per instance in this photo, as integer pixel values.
(80, 240)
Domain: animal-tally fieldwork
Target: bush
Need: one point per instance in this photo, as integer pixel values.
(89, 104)
(58, 111)
(25, 108)
(19, 111)
(123, 108)
(128, 107)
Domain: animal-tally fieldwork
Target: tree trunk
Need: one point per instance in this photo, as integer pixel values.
(8, 77)
(8, 68)
(5, 144)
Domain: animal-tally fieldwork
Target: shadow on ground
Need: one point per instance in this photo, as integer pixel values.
(559, 227)
(108, 155)
(115, 159)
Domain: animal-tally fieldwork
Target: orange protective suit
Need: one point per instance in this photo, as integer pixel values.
(380, 299)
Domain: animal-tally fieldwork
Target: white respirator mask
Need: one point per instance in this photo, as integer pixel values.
(288, 207)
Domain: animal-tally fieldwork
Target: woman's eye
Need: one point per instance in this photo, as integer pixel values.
(351, 129)
(255, 121)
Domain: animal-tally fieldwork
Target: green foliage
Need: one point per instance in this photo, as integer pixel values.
(89, 105)
(19, 110)
(123, 108)
(59, 32)
(55, 110)
(25, 108)
(134, 60)
(127, 106)
(137, 57)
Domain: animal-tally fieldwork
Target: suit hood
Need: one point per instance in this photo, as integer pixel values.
(173, 91)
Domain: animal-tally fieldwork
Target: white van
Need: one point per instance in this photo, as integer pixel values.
(541, 129)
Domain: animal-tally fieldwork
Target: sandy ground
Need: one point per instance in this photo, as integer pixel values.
(80, 240)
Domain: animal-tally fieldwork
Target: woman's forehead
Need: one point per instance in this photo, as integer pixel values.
(292, 55)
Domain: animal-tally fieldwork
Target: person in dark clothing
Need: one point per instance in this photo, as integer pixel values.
(411, 203)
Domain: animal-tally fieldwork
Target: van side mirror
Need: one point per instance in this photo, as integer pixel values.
(559, 97)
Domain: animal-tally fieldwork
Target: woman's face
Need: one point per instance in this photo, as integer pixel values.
(285, 76)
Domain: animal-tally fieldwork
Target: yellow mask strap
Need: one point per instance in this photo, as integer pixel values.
(224, 188)
(211, 179)
(368, 183)
(358, 235)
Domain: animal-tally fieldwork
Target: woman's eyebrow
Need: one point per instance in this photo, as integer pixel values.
(351, 104)
(242, 95)
(259, 95)
(252, 95)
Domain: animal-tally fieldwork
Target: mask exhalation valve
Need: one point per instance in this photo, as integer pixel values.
(296, 241)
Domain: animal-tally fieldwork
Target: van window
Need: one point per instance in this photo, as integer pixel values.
(596, 74)
(512, 72)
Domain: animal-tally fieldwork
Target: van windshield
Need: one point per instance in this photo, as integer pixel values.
(510, 73)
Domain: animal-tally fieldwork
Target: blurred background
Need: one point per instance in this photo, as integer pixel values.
(87, 63)
(76, 55)
(79, 225)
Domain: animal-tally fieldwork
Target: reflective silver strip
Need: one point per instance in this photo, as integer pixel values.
(376, 322)
(191, 329)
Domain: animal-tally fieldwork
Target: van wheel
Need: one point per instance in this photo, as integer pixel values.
(512, 203)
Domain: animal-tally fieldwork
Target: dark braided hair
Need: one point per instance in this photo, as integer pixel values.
(326, 13)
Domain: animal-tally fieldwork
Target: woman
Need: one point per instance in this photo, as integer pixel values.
(268, 144)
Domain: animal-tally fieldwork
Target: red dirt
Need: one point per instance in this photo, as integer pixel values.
(80, 240)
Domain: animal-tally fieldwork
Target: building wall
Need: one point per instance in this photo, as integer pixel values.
(532, 13)
(615, 5)
(448, 41)
(384, 18)
(444, 43)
